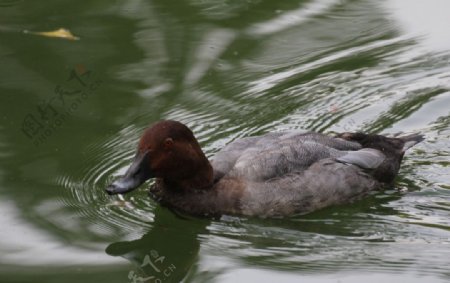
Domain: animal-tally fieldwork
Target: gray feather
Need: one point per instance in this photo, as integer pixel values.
(367, 158)
(276, 154)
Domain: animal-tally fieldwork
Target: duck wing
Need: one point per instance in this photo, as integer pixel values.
(226, 158)
(366, 158)
(274, 155)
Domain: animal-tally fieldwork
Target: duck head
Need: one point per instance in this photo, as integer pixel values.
(168, 151)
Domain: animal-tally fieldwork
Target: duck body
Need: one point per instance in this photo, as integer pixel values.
(274, 175)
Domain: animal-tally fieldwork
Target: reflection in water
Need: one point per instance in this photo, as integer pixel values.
(24, 245)
(292, 18)
(227, 70)
(167, 251)
(213, 44)
(427, 20)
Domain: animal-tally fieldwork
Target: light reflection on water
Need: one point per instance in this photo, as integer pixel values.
(325, 65)
(428, 20)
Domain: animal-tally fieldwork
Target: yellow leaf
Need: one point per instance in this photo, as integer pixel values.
(60, 33)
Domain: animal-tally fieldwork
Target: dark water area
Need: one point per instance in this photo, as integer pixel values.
(71, 112)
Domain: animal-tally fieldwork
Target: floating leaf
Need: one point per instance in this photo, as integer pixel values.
(60, 33)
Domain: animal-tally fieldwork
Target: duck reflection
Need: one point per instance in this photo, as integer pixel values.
(166, 252)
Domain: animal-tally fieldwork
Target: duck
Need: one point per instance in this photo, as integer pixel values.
(278, 174)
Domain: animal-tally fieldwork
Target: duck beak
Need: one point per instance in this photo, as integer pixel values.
(138, 173)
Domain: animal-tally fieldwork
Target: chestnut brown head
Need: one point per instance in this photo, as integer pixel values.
(167, 150)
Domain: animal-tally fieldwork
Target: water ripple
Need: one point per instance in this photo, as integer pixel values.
(236, 70)
(109, 215)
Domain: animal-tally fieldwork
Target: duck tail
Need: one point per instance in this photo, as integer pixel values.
(411, 140)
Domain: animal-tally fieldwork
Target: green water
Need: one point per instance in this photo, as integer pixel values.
(72, 111)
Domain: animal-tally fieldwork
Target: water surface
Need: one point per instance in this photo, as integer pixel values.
(72, 111)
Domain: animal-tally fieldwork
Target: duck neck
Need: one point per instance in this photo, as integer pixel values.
(200, 178)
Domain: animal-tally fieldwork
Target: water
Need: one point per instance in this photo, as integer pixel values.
(228, 69)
